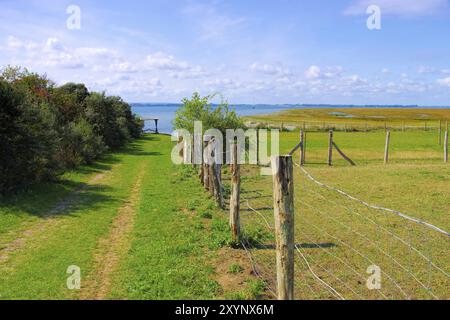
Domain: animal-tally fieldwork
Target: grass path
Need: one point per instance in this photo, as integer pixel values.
(136, 225)
(35, 229)
(113, 247)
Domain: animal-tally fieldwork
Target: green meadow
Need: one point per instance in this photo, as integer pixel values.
(139, 227)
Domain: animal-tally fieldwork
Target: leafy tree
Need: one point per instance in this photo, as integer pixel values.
(27, 138)
(45, 129)
(201, 109)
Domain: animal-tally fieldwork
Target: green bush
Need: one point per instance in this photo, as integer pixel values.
(200, 109)
(45, 129)
(27, 138)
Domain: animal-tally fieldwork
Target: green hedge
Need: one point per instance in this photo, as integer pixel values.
(46, 129)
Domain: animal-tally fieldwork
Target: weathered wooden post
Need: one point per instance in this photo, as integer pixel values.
(386, 149)
(403, 126)
(156, 126)
(303, 148)
(446, 146)
(330, 149)
(217, 192)
(283, 199)
(211, 172)
(206, 166)
(257, 146)
(235, 199)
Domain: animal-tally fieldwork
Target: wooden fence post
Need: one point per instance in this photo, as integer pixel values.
(283, 198)
(218, 195)
(211, 178)
(446, 146)
(201, 173)
(386, 150)
(257, 146)
(303, 148)
(205, 169)
(235, 224)
(330, 148)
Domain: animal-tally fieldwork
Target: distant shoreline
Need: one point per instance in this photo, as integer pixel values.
(300, 106)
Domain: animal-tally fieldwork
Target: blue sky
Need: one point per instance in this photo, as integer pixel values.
(251, 51)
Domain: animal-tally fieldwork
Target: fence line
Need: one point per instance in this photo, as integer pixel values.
(274, 253)
(429, 225)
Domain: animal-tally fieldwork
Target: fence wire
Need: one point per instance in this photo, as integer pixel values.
(338, 242)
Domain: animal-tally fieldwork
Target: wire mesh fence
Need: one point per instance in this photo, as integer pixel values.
(342, 245)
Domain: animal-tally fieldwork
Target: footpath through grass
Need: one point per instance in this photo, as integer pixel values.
(167, 250)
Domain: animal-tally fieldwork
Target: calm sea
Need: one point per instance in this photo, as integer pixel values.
(166, 112)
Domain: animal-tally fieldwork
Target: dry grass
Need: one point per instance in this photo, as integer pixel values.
(341, 238)
(357, 118)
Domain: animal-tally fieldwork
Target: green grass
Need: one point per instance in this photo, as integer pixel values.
(170, 244)
(341, 238)
(254, 291)
(235, 268)
(357, 118)
(412, 147)
(178, 230)
(169, 254)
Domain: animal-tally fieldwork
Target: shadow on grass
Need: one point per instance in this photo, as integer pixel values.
(54, 199)
(299, 245)
(63, 196)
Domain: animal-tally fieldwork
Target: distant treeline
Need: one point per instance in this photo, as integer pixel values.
(46, 129)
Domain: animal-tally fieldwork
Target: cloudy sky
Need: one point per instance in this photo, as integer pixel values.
(250, 51)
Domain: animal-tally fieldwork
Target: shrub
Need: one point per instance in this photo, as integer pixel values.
(45, 129)
(27, 138)
(200, 109)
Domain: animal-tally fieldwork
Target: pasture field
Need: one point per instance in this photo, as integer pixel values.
(338, 239)
(360, 119)
(140, 227)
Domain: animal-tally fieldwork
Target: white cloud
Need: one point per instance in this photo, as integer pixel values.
(224, 83)
(269, 69)
(444, 82)
(15, 44)
(399, 7)
(425, 70)
(53, 44)
(313, 72)
(385, 71)
(190, 73)
(164, 61)
(96, 53)
(124, 67)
